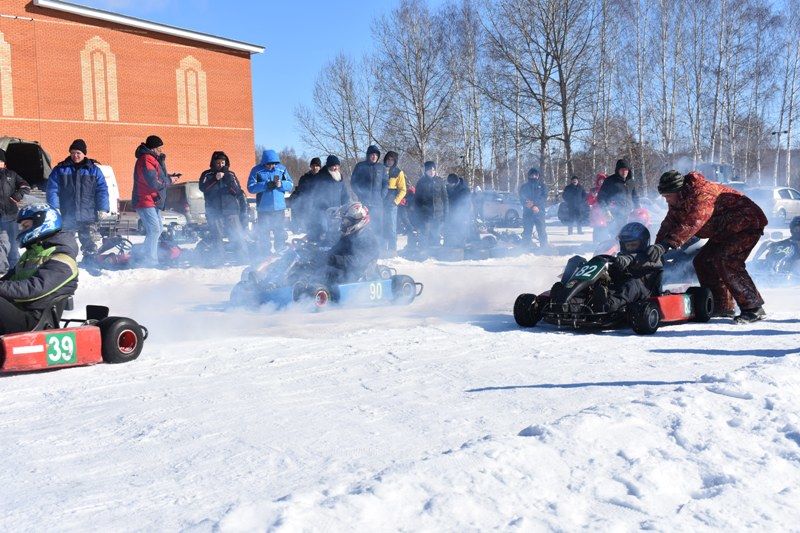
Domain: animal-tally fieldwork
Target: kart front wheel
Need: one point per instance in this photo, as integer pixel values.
(526, 310)
(702, 303)
(404, 290)
(121, 339)
(645, 318)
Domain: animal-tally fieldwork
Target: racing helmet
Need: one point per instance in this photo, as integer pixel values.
(355, 217)
(794, 228)
(633, 237)
(46, 221)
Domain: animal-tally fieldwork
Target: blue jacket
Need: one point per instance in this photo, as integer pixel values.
(262, 183)
(77, 191)
(536, 192)
(370, 183)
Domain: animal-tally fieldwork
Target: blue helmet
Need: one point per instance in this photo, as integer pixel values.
(633, 237)
(46, 222)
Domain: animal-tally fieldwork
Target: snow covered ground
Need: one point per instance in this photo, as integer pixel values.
(438, 416)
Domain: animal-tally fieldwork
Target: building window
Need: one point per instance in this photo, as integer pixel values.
(192, 94)
(6, 89)
(99, 73)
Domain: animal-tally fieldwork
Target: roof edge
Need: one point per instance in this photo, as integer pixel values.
(125, 20)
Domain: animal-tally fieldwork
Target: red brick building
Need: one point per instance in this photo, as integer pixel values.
(68, 71)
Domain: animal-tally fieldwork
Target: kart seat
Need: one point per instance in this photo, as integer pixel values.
(51, 316)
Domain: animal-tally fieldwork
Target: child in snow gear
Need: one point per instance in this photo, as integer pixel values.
(47, 270)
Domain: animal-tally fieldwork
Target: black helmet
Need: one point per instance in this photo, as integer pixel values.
(670, 181)
(633, 237)
(794, 228)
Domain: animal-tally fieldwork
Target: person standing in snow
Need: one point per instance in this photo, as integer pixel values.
(575, 199)
(12, 189)
(300, 211)
(533, 196)
(431, 206)
(459, 214)
(370, 183)
(394, 197)
(270, 181)
(323, 191)
(223, 200)
(618, 195)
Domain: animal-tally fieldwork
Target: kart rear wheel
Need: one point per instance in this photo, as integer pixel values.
(403, 289)
(526, 310)
(121, 339)
(645, 318)
(320, 296)
(702, 303)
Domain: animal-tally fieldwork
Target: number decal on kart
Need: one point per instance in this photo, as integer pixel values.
(375, 291)
(61, 349)
(586, 271)
(687, 305)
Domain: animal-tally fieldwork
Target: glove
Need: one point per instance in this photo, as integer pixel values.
(655, 251)
(623, 261)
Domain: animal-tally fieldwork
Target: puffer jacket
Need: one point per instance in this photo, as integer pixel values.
(261, 182)
(617, 193)
(370, 183)
(47, 269)
(223, 196)
(77, 191)
(150, 179)
(322, 192)
(709, 210)
(430, 198)
(12, 189)
(397, 185)
(536, 192)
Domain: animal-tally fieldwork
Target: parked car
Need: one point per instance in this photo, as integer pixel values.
(500, 208)
(129, 219)
(187, 199)
(780, 204)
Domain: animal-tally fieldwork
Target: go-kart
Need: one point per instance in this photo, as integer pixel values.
(578, 302)
(778, 261)
(57, 343)
(297, 276)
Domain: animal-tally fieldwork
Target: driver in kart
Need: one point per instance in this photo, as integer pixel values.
(46, 270)
(634, 276)
(358, 248)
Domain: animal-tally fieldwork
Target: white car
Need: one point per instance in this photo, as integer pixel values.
(129, 219)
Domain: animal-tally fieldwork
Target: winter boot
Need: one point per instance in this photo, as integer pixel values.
(724, 313)
(750, 315)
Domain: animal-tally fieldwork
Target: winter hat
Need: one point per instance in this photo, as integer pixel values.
(332, 161)
(219, 155)
(2, 155)
(153, 142)
(670, 182)
(452, 179)
(373, 150)
(430, 165)
(78, 144)
(621, 163)
(533, 171)
(390, 155)
(316, 162)
(575, 178)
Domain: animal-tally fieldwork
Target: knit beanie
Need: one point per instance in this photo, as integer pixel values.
(153, 141)
(78, 144)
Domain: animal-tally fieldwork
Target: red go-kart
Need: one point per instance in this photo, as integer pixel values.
(58, 343)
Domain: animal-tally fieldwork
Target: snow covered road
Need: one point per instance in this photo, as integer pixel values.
(441, 415)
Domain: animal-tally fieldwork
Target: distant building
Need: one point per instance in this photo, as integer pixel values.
(69, 71)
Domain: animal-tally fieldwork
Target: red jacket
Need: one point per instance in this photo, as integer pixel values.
(709, 210)
(150, 180)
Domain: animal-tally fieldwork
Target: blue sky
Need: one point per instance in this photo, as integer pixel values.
(300, 36)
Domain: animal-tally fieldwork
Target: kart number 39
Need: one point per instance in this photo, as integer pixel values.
(375, 291)
(61, 349)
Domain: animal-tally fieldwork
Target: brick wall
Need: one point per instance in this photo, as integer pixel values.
(113, 86)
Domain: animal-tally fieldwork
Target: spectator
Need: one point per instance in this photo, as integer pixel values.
(296, 201)
(150, 182)
(575, 199)
(533, 196)
(45, 271)
(77, 189)
(731, 222)
(618, 195)
(323, 191)
(597, 217)
(394, 197)
(270, 181)
(12, 189)
(223, 199)
(370, 184)
(459, 214)
(431, 206)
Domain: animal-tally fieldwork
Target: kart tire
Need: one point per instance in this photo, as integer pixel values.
(121, 339)
(245, 294)
(645, 318)
(320, 296)
(702, 303)
(526, 310)
(403, 289)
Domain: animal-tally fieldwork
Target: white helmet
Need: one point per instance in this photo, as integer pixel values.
(355, 217)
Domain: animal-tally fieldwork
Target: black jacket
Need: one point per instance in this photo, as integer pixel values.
(370, 183)
(430, 199)
(12, 189)
(458, 197)
(575, 197)
(224, 196)
(536, 192)
(352, 255)
(321, 192)
(639, 268)
(618, 193)
(42, 274)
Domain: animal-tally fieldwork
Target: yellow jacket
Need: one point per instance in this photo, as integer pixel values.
(397, 184)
